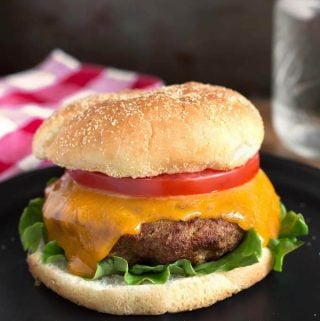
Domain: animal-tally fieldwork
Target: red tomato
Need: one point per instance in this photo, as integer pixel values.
(205, 181)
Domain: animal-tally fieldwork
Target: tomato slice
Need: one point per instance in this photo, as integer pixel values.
(202, 182)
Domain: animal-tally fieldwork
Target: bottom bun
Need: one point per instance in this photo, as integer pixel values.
(111, 295)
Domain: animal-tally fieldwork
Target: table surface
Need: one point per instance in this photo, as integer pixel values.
(271, 142)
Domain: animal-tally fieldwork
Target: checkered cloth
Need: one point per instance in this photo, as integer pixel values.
(27, 98)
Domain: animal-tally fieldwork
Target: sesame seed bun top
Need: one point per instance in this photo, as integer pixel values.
(178, 128)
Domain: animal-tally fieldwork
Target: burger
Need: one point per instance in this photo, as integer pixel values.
(162, 207)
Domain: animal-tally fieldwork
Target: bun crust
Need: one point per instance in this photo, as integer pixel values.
(110, 295)
(178, 128)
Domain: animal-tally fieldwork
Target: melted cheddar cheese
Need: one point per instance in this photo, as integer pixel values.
(87, 223)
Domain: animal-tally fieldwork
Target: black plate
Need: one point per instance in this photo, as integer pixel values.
(291, 295)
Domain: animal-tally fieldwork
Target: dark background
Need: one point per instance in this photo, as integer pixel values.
(227, 42)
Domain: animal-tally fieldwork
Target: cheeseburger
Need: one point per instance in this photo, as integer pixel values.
(162, 207)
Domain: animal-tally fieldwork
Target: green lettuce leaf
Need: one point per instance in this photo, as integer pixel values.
(31, 214)
(247, 253)
(109, 266)
(280, 248)
(283, 211)
(51, 181)
(155, 278)
(52, 253)
(31, 227)
(292, 226)
(32, 236)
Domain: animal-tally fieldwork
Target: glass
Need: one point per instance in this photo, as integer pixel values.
(296, 75)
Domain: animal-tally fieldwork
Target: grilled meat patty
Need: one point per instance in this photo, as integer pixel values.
(198, 240)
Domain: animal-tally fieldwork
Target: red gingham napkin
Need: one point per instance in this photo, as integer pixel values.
(27, 98)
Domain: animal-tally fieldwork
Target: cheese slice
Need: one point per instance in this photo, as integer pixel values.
(87, 223)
